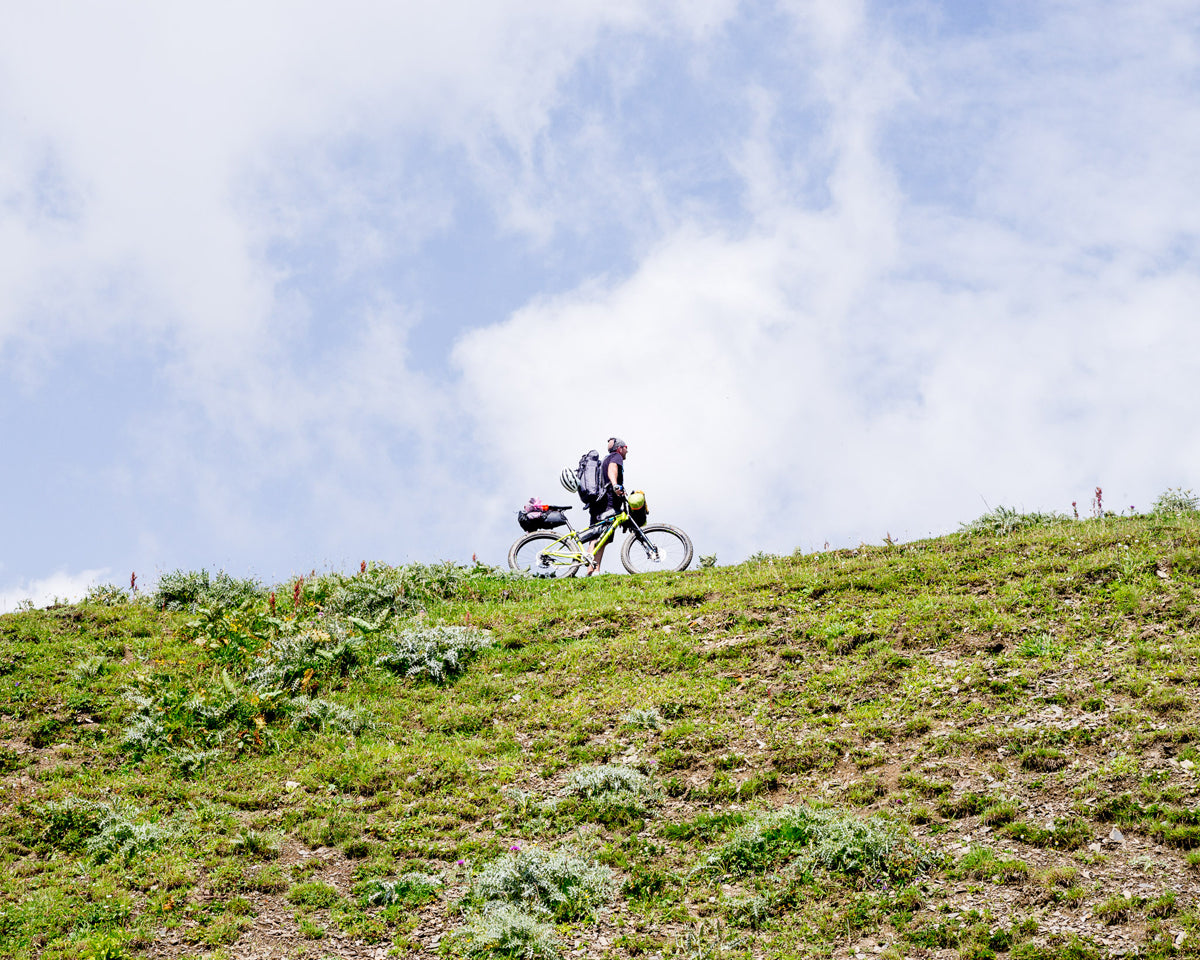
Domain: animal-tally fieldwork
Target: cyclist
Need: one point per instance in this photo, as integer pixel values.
(612, 496)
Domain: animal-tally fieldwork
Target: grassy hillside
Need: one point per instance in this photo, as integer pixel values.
(982, 745)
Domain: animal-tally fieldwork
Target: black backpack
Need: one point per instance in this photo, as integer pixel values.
(591, 480)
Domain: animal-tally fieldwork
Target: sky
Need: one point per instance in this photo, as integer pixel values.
(291, 285)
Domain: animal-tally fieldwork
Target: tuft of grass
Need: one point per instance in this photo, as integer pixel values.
(259, 846)
(1163, 905)
(1043, 758)
(1114, 910)
(999, 812)
(967, 804)
(804, 755)
(866, 790)
(1067, 834)
(412, 889)
(313, 893)
(983, 864)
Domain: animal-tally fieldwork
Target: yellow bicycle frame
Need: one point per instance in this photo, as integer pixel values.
(559, 553)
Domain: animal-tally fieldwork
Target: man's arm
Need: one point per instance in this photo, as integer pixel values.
(612, 478)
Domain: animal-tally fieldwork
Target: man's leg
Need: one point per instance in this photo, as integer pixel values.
(601, 543)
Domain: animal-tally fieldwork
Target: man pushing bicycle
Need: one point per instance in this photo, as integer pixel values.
(545, 552)
(612, 495)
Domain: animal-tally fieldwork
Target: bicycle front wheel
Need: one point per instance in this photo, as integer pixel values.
(666, 548)
(545, 555)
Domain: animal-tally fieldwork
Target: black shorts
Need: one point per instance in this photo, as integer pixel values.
(604, 507)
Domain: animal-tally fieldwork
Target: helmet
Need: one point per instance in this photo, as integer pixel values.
(636, 500)
(568, 479)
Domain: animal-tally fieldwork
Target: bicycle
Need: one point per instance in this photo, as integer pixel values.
(656, 546)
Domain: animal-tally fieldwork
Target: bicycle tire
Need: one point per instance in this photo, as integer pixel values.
(674, 550)
(523, 556)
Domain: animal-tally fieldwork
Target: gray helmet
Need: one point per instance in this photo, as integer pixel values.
(568, 479)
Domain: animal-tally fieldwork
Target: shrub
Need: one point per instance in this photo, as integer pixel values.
(118, 838)
(1175, 500)
(556, 884)
(90, 669)
(192, 589)
(105, 945)
(71, 822)
(594, 783)
(107, 595)
(380, 591)
(145, 736)
(438, 653)
(191, 763)
(1003, 520)
(617, 794)
(502, 930)
(177, 715)
(825, 839)
(305, 661)
(645, 718)
(323, 715)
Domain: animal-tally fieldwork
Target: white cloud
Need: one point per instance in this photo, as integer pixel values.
(882, 364)
(61, 586)
(956, 266)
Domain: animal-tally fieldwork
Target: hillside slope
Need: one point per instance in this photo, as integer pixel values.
(977, 746)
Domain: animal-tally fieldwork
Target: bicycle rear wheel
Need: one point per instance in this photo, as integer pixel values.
(669, 548)
(544, 555)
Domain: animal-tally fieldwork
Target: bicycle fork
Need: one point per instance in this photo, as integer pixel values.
(651, 549)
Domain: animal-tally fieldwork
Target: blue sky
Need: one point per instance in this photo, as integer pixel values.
(293, 287)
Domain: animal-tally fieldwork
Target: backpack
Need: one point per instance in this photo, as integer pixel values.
(591, 480)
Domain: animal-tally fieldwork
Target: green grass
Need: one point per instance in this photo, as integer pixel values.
(799, 756)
